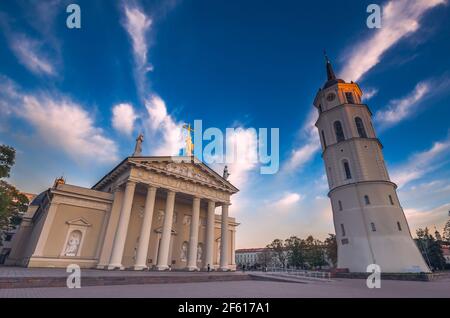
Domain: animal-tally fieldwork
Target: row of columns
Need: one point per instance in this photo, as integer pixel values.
(163, 251)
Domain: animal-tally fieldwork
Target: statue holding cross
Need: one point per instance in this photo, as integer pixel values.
(189, 144)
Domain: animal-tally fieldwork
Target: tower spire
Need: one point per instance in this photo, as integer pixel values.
(330, 71)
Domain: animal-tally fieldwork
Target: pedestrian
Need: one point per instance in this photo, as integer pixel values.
(209, 268)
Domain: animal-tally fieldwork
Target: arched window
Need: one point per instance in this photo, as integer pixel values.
(349, 97)
(372, 225)
(320, 108)
(324, 140)
(366, 199)
(348, 174)
(339, 131)
(340, 205)
(360, 127)
(399, 226)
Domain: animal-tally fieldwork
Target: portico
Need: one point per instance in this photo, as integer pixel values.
(155, 213)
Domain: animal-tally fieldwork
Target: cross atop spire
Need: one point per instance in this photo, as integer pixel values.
(330, 71)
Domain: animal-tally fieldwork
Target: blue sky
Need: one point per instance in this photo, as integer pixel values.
(73, 100)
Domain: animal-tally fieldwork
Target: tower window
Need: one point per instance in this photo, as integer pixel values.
(350, 98)
(320, 108)
(324, 140)
(399, 226)
(342, 229)
(348, 174)
(339, 131)
(340, 205)
(372, 225)
(391, 200)
(360, 127)
(366, 199)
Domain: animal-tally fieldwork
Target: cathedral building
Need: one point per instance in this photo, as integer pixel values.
(370, 225)
(146, 213)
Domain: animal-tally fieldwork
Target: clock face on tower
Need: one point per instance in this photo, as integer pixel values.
(331, 97)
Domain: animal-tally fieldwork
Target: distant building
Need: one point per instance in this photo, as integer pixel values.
(446, 252)
(250, 257)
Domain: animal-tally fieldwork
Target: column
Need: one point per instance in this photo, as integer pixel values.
(146, 227)
(210, 222)
(193, 236)
(163, 253)
(224, 239)
(122, 227)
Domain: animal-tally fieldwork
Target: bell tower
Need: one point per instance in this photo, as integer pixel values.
(370, 225)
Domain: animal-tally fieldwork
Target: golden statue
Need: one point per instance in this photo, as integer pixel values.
(189, 144)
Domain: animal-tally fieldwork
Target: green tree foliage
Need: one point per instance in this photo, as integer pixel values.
(295, 251)
(12, 202)
(279, 250)
(430, 248)
(446, 234)
(331, 248)
(315, 254)
(7, 159)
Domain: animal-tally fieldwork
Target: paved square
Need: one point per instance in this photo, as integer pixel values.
(251, 289)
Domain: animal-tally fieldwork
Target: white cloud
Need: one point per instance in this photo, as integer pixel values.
(62, 125)
(29, 53)
(245, 144)
(422, 163)
(166, 135)
(310, 146)
(399, 109)
(123, 118)
(400, 18)
(369, 93)
(288, 199)
(138, 24)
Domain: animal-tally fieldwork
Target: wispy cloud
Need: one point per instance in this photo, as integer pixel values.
(288, 199)
(309, 147)
(399, 109)
(430, 218)
(400, 18)
(61, 124)
(138, 25)
(124, 117)
(422, 163)
(30, 54)
(369, 93)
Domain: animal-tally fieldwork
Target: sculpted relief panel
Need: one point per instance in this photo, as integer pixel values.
(181, 185)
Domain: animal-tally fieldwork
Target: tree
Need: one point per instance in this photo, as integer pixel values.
(12, 202)
(331, 248)
(7, 159)
(315, 255)
(430, 248)
(265, 258)
(446, 233)
(295, 251)
(278, 248)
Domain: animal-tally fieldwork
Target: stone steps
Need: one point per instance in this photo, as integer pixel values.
(35, 282)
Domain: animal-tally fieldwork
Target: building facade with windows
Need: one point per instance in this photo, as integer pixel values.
(147, 213)
(371, 227)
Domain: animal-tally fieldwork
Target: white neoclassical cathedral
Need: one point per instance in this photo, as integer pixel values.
(370, 225)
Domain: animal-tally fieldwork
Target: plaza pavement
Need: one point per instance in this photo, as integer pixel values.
(346, 288)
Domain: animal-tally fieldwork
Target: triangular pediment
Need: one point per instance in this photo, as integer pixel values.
(78, 222)
(185, 167)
